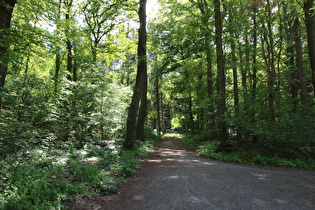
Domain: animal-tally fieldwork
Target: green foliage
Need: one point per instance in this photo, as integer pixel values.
(172, 135)
(291, 136)
(254, 157)
(191, 140)
(150, 135)
(32, 184)
(41, 178)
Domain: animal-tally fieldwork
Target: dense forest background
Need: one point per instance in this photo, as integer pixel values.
(236, 76)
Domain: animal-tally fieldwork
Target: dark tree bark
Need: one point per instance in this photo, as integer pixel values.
(254, 67)
(69, 59)
(221, 105)
(310, 28)
(69, 47)
(254, 75)
(200, 122)
(235, 76)
(142, 52)
(270, 58)
(158, 103)
(142, 115)
(299, 60)
(293, 81)
(243, 73)
(57, 71)
(157, 97)
(135, 123)
(6, 10)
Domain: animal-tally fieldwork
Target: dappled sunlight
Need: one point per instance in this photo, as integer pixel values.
(173, 177)
(173, 155)
(179, 179)
(281, 201)
(194, 199)
(167, 152)
(138, 197)
(154, 161)
(261, 176)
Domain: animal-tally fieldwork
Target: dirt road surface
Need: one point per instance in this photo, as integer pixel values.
(173, 177)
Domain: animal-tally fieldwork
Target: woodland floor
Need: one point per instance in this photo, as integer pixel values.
(174, 177)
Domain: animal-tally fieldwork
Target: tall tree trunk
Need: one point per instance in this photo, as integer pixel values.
(254, 55)
(135, 125)
(293, 81)
(270, 64)
(246, 72)
(142, 115)
(243, 74)
(205, 11)
(69, 60)
(200, 123)
(143, 66)
(191, 123)
(158, 108)
(210, 91)
(220, 76)
(6, 10)
(235, 80)
(58, 54)
(68, 4)
(254, 67)
(163, 117)
(57, 71)
(299, 60)
(310, 28)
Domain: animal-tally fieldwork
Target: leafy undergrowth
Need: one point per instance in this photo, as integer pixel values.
(45, 177)
(251, 156)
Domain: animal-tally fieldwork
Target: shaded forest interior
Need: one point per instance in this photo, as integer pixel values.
(107, 77)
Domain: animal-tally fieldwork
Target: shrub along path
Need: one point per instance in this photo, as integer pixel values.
(174, 177)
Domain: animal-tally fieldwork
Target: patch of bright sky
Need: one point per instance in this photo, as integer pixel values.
(152, 8)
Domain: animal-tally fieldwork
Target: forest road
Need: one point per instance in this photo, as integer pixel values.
(172, 177)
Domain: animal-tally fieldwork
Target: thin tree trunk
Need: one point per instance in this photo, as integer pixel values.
(69, 59)
(293, 81)
(68, 43)
(158, 108)
(220, 76)
(243, 74)
(57, 71)
(200, 113)
(235, 81)
(271, 65)
(6, 10)
(254, 55)
(191, 123)
(299, 60)
(163, 123)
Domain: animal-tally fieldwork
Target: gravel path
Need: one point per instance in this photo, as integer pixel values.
(173, 177)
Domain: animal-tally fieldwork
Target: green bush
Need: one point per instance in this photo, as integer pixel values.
(191, 140)
(42, 177)
(35, 188)
(253, 157)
